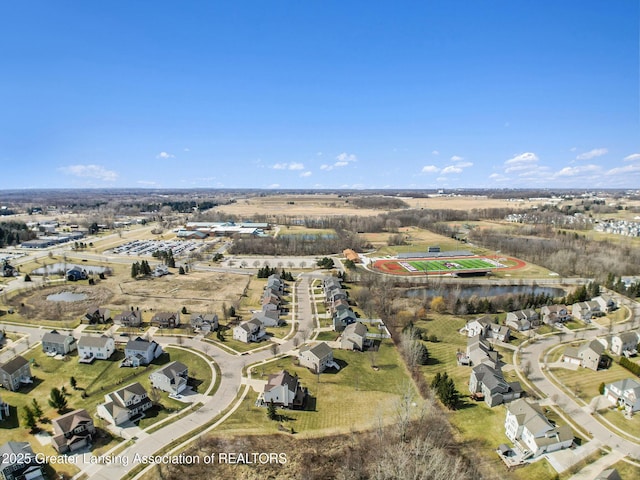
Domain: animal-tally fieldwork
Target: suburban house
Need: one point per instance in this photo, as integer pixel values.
(342, 318)
(522, 320)
(91, 348)
(316, 358)
(589, 355)
(488, 383)
(4, 410)
(56, 343)
(479, 326)
(275, 283)
(166, 319)
(127, 404)
(354, 337)
(606, 302)
(14, 373)
(625, 393)
(479, 351)
(72, 431)
(171, 378)
(266, 320)
(329, 284)
(251, 331)
(552, 314)
(129, 318)
(501, 333)
(97, 315)
(284, 390)
(531, 432)
(585, 310)
(206, 322)
(140, 352)
(76, 273)
(19, 462)
(624, 344)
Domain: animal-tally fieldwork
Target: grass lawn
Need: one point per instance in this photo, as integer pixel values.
(352, 398)
(96, 379)
(574, 324)
(327, 336)
(615, 416)
(626, 470)
(279, 332)
(617, 316)
(586, 382)
(235, 345)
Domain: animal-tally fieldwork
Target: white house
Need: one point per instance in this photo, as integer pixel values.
(625, 393)
(531, 432)
(140, 352)
(479, 326)
(91, 348)
(127, 404)
(284, 390)
(251, 331)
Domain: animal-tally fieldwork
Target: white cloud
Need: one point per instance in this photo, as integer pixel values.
(632, 158)
(596, 152)
(498, 177)
(186, 149)
(341, 164)
(523, 158)
(274, 185)
(573, 149)
(305, 174)
(430, 169)
(146, 182)
(90, 171)
(456, 158)
(326, 167)
(288, 166)
(464, 164)
(164, 155)
(626, 169)
(346, 157)
(451, 169)
(435, 152)
(576, 171)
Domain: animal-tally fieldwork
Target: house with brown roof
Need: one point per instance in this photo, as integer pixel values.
(552, 314)
(166, 319)
(284, 390)
(14, 373)
(124, 405)
(72, 431)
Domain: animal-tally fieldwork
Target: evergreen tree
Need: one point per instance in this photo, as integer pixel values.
(29, 418)
(272, 413)
(448, 394)
(135, 270)
(181, 271)
(73, 382)
(37, 410)
(57, 399)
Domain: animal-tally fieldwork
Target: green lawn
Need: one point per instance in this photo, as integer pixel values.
(586, 381)
(615, 416)
(327, 336)
(352, 398)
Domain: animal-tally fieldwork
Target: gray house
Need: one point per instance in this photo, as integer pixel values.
(206, 322)
(98, 315)
(171, 378)
(317, 358)
(19, 462)
(284, 390)
(55, 342)
(129, 318)
(354, 337)
(72, 431)
(522, 320)
(624, 393)
(14, 373)
(342, 318)
(488, 383)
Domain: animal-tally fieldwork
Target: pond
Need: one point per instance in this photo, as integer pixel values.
(468, 291)
(66, 297)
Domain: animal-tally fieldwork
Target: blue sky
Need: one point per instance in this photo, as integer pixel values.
(331, 94)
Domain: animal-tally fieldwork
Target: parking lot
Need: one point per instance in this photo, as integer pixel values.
(141, 248)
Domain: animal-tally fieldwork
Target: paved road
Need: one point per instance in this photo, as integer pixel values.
(579, 415)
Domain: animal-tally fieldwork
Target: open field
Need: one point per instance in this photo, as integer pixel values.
(352, 398)
(433, 266)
